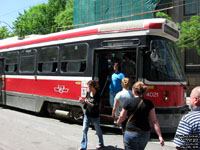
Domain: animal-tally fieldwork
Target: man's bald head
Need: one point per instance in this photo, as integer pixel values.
(195, 97)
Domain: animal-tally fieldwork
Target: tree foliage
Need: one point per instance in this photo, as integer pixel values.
(4, 32)
(190, 34)
(54, 7)
(65, 18)
(163, 15)
(33, 21)
(44, 18)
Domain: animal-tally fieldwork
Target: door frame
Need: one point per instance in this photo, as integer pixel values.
(2, 81)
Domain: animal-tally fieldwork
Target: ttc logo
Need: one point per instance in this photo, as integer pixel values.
(61, 89)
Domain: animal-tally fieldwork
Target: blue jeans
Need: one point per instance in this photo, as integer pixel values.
(86, 122)
(112, 99)
(136, 141)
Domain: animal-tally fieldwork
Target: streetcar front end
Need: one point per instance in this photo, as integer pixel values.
(167, 84)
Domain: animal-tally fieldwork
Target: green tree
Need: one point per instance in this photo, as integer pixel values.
(163, 15)
(64, 19)
(39, 19)
(4, 32)
(54, 7)
(190, 34)
(33, 21)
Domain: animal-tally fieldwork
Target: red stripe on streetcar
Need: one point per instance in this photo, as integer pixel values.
(153, 26)
(53, 38)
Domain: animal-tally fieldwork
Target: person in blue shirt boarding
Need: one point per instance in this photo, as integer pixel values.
(91, 104)
(188, 131)
(115, 85)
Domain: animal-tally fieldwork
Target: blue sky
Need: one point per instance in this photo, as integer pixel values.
(10, 9)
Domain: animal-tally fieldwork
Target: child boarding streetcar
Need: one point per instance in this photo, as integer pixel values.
(50, 72)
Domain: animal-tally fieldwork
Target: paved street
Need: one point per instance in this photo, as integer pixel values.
(26, 131)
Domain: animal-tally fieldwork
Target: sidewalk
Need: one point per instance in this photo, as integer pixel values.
(154, 145)
(157, 146)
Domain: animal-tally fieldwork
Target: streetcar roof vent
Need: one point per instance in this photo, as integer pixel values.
(32, 36)
(9, 40)
(122, 26)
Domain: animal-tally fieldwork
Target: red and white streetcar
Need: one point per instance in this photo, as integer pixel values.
(50, 72)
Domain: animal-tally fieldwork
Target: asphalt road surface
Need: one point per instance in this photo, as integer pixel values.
(21, 130)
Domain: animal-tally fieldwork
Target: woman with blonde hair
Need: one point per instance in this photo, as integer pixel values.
(121, 97)
(139, 111)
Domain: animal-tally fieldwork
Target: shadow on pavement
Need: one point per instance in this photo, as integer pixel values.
(109, 148)
(168, 137)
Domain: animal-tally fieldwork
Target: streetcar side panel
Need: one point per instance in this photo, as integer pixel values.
(30, 88)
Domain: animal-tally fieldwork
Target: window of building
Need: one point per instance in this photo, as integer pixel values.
(11, 62)
(27, 61)
(73, 58)
(163, 4)
(192, 61)
(48, 59)
(191, 7)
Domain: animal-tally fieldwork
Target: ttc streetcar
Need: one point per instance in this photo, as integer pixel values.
(50, 72)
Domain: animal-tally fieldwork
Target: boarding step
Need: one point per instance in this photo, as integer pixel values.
(106, 117)
(106, 110)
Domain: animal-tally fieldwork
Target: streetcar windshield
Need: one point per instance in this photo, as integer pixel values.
(165, 65)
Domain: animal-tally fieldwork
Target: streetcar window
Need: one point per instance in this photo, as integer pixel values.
(1, 55)
(48, 59)
(167, 67)
(27, 60)
(73, 58)
(11, 62)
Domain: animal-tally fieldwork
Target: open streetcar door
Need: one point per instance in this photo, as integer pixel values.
(104, 59)
(1, 80)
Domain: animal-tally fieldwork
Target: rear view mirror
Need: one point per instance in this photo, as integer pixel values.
(154, 56)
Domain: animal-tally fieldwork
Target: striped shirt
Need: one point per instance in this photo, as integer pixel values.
(188, 131)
